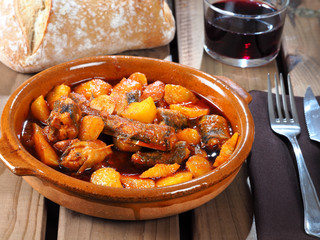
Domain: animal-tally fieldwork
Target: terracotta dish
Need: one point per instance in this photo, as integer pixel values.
(114, 203)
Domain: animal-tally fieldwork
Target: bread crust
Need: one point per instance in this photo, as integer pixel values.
(38, 34)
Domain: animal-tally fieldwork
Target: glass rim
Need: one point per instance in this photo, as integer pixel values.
(260, 16)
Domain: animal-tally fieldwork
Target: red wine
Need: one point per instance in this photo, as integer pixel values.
(242, 38)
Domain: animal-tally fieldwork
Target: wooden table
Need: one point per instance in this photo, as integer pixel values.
(24, 214)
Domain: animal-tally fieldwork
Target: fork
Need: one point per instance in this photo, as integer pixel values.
(290, 128)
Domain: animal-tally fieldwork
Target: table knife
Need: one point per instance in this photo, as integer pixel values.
(312, 114)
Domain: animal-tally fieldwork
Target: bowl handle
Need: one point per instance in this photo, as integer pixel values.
(12, 159)
(237, 88)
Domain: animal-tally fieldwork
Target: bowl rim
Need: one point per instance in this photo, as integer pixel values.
(89, 190)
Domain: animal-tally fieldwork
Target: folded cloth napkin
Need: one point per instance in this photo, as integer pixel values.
(273, 175)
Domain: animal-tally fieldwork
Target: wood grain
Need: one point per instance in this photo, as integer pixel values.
(223, 217)
(247, 78)
(189, 18)
(162, 52)
(22, 212)
(301, 45)
(77, 226)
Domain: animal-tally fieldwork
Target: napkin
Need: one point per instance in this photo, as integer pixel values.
(277, 201)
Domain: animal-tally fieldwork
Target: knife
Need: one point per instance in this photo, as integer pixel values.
(312, 114)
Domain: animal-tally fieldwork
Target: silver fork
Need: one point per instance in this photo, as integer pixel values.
(290, 128)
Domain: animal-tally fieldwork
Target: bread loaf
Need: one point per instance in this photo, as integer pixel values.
(38, 34)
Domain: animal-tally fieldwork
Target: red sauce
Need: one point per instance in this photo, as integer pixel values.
(118, 160)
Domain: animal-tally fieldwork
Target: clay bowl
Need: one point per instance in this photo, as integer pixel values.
(114, 203)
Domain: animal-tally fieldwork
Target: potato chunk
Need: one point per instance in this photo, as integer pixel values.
(46, 153)
(177, 94)
(136, 182)
(93, 88)
(144, 111)
(119, 93)
(90, 128)
(40, 109)
(160, 170)
(226, 150)
(106, 177)
(56, 93)
(103, 103)
(198, 165)
(179, 177)
(139, 77)
(190, 135)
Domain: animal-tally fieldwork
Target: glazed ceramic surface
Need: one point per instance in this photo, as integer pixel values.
(115, 203)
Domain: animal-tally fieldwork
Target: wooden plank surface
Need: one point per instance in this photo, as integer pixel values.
(22, 214)
(229, 215)
(247, 78)
(76, 226)
(22, 211)
(302, 46)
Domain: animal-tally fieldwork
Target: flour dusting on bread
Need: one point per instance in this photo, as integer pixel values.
(62, 30)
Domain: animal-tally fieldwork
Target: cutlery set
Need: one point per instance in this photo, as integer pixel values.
(284, 121)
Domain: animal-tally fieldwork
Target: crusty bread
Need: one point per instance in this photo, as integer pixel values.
(37, 34)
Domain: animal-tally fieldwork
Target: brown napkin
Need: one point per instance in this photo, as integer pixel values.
(275, 187)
